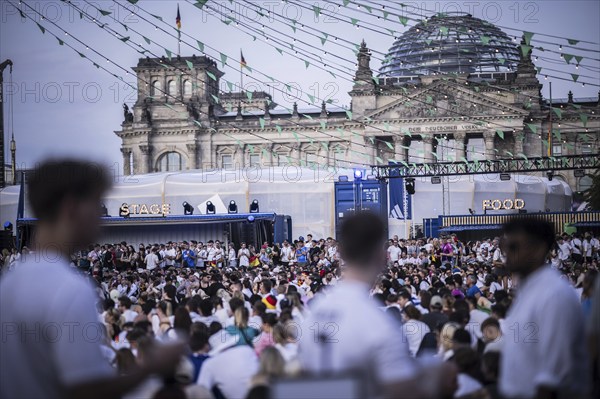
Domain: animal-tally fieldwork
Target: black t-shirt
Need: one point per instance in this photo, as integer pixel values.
(213, 288)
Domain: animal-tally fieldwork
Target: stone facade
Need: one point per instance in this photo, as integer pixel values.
(180, 121)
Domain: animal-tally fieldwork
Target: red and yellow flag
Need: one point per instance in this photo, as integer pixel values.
(178, 19)
(242, 60)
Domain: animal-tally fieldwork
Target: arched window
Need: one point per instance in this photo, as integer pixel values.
(170, 162)
(187, 89)
(156, 88)
(172, 88)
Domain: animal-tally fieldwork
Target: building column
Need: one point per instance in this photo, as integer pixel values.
(428, 149)
(126, 161)
(570, 147)
(400, 153)
(459, 145)
(296, 153)
(146, 150)
(518, 148)
(193, 155)
(488, 138)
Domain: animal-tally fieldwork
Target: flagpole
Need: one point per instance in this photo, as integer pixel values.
(241, 74)
(178, 22)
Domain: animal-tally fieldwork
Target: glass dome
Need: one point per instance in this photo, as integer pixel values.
(451, 42)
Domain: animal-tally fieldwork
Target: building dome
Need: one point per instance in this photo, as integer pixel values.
(451, 42)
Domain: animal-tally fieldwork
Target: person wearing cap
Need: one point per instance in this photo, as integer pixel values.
(435, 317)
(301, 254)
(270, 302)
(548, 356)
(339, 342)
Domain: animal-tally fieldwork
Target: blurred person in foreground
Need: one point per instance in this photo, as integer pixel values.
(354, 335)
(50, 346)
(546, 358)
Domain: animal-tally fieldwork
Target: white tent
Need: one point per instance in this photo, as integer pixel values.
(307, 195)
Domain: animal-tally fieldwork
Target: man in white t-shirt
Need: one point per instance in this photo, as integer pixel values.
(51, 336)
(564, 250)
(125, 308)
(595, 243)
(170, 254)
(202, 255)
(350, 333)
(332, 250)
(286, 253)
(576, 249)
(211, 251)
(394, 253)
(151, 260)
(244, 256)
(587, 248)
(94, 254)
(548, 356)
(161, 253)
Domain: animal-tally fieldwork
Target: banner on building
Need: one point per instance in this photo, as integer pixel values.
(400, 201)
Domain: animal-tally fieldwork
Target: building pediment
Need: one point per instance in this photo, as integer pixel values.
(444, 99)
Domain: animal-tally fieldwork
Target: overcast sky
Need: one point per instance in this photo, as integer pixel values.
(65, 105)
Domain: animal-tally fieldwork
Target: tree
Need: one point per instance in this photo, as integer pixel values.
(592, 194)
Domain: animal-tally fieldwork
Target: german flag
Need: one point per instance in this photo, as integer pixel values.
(242, 60)
(178, 19)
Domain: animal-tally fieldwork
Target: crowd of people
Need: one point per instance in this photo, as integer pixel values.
(515, 316)
(449, 298)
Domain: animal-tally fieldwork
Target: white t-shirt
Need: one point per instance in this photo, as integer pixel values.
(545, 343)
(202, 255)
(495, 286)
(331, 252)
(51, 334)
(414, 331)
(168, 253)
(244, 255)
(230, 370)
(380, 351)
(576, 246)
(162, 262)
(466, 385)
(286, 253)
(151, 261)
(93, 255)
(394, 253)
(211, 252)
(231, 255)
(587, 248)
(498, 256)
(564, 251)
(129, 315)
